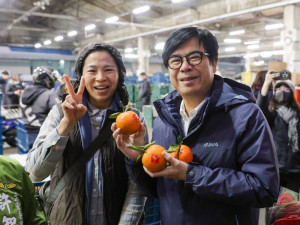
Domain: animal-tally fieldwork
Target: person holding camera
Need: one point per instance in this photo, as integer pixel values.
(283, 113)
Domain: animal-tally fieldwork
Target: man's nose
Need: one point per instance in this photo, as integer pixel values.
(185, 65)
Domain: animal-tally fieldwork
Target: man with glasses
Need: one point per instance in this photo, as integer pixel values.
(234, 169)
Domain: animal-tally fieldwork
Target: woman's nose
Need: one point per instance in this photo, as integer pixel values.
(99, 76)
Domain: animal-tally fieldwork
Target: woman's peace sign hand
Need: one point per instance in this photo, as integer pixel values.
(72, 107)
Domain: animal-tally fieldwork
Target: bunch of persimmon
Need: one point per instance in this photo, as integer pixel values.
(128, 121)
(151, 155)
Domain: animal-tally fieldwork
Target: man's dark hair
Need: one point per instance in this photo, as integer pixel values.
(100, 46)
(206, 38)
(5, 72)
(143, 74)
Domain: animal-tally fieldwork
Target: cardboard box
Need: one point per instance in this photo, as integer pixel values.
(296, 78)
(277, 66)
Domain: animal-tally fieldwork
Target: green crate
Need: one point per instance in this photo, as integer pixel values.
(148, 115)
(148, 111)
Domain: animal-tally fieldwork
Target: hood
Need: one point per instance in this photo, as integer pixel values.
(31, 93)
(232, 93)
(224, 93)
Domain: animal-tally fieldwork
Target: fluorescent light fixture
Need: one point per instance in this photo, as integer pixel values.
(230, 49)
(278, 43)
(237, 32)
(112, 19)
(251, 55)
(253, 46)
(59, 38)
(251, 42)
(72, 33)
(128, 50)
(273, 26)
(259, 63)
(141, 9)
(90, 27)
(47, 42)
(160, 46)
(131, 56)
(37, 45)
(266, 54)
(233, 41)
(177, 1)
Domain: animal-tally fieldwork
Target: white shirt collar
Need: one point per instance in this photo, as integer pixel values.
(185, 119)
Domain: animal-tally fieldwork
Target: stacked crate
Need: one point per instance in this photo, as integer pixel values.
(1, 119)
(21, 139)
(148, 115)
(159, 91)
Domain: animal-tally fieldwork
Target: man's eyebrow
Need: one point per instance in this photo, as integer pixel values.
(191, 52)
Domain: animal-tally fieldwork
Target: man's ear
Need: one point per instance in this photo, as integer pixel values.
(214, 65)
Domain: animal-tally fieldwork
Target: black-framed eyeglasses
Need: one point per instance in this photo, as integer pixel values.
(193, 58)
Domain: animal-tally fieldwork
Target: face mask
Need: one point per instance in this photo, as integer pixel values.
(283, 97)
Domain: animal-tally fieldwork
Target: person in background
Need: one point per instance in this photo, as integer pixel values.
(13, 91)
(234, 171)
(102, 193)
(283, 113)
(18, 204)
(145, 89)
(62, 90)
(3, 80)
(258, 83)
(38, 99)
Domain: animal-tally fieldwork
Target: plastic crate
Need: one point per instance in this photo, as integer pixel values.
(23, 137)
(152, 213)
(148, 115)
(1, 147)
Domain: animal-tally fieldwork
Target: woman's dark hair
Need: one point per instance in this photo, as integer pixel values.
(206, 38)
(259, 79)
(100, 46)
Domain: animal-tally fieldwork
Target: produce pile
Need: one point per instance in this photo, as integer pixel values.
(287, 209)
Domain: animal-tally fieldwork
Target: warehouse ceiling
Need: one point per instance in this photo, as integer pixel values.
(26, 22)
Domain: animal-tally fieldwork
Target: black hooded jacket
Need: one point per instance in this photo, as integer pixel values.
(36, 102)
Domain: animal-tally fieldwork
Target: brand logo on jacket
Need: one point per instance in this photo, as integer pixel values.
(210, 144)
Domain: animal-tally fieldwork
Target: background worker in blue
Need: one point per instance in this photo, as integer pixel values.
(234, 170)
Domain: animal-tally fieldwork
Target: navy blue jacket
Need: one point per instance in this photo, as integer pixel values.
(234, 170)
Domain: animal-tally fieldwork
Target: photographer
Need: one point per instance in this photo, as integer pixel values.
(283, 115)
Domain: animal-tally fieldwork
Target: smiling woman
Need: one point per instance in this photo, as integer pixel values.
(76, 128)
(101, 78)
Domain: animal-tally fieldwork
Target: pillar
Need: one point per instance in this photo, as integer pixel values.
(143, 55)
(291, 37)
